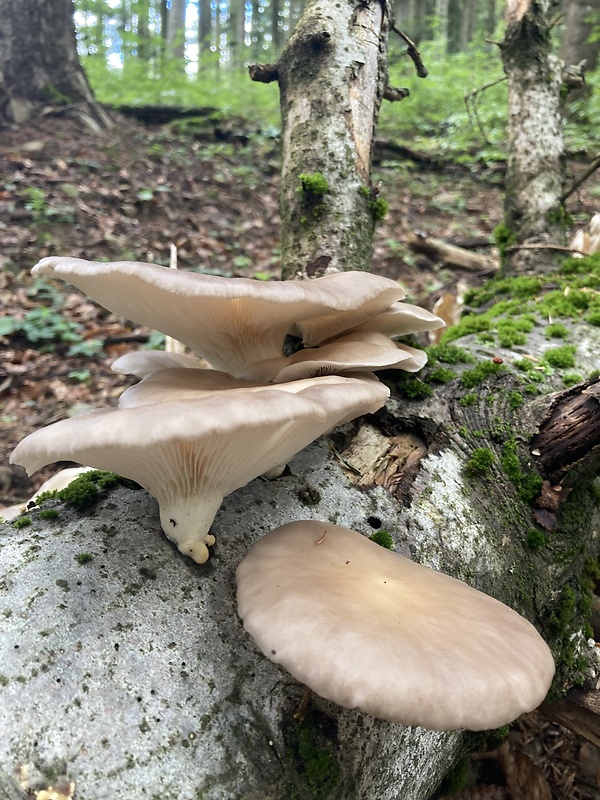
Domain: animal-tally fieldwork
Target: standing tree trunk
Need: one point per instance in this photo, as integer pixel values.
(176, 33)
(39, 64)
(582, 17)
(142, 13)
(331, 81)
(535, 175)
(204, 33)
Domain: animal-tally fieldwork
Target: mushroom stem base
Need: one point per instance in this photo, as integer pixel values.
(186, 522)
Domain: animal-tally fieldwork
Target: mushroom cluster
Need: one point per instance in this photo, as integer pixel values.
(370, 629)
(196, 429)
(358, 624)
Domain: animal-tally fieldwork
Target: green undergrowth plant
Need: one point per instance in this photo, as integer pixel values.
(225, 90)
(46, 327)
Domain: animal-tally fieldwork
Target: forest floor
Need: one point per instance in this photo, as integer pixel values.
(133, 192)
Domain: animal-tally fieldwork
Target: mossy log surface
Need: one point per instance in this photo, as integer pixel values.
(124, 665)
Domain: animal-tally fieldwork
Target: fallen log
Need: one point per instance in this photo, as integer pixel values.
(449, 254)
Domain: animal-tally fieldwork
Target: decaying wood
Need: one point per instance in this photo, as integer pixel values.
(569, 439)
(450, 254)
(579, 711)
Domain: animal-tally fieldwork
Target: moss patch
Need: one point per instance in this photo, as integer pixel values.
(527, 482)
(480, 462)
(383, 539)
(313, 752)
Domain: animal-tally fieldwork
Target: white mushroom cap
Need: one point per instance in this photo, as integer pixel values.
(350, 352)
(189, 454)
(402, 319)
(369, 629)
(167, 385)
(144, 362)
(232, 322)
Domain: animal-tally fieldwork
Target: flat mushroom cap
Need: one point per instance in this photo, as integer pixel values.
(369, 629)
(351, 352)
(190, 454)
(166, 385)
(144, 362)
(402, 319)
(232, 322)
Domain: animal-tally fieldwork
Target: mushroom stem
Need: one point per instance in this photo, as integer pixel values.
(186, 520)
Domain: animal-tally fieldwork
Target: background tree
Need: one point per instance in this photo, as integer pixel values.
(581, 39)
(535, 174)
(39, 63)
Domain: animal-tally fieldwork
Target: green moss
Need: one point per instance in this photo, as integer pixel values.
(317, 764)
(593, 317)
(448, 354)
(556, 330)
(481, 460)
(504, 238)
(528, 483)
(456, 779)
(515, 399)
(483, 370)
(48, 513)
(414, 389)
(440, 375)
(84, 558)
(535, 539)
(571, 378)
(379, 208)
(472, 323)
(513, 331)
(313, 184)
(470, 399)
(86, 489)
(21, 522)
(383, 539)
(561, 357)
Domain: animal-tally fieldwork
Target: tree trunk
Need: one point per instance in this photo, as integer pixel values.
(142, 12)
(581, 17)
(490, 20)
(535, 175)
(204, 34)
(276, 26)
(235, 35)
(442, 8)
(176, 33)
(331, 76)
(39, 65)
(467, 22)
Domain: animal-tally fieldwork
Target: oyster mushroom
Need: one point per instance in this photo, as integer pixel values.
(190, 454)
(232, 322)
(369, 629)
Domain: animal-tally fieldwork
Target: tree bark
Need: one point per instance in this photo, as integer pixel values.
(331, 75)
(39, 65)
(535, 172)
